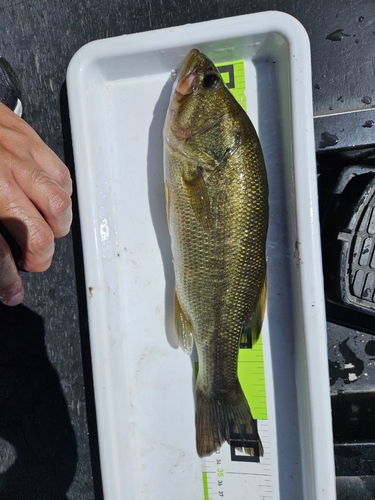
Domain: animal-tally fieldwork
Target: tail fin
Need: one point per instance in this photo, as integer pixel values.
(217, 421)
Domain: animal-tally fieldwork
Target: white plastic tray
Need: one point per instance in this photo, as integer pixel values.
(118, 94)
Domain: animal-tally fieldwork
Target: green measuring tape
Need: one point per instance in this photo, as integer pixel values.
(233, 74)
(250, 360)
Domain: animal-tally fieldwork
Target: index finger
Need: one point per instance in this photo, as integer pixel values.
(51, 163)
(39, 151)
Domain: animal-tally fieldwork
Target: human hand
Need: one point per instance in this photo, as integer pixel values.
(35, 202)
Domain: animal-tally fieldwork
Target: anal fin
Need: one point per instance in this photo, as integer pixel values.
(183, 327)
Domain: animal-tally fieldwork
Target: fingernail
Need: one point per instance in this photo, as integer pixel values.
(15, 300)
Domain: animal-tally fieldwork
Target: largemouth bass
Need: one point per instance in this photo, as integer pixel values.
(217, 211)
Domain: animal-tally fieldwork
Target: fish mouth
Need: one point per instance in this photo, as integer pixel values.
(187, 84)
(188, 74)
(191, 71)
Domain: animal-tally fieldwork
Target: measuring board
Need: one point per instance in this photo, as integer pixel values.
(228, 473)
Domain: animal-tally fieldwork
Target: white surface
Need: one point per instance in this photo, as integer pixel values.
(118, 94)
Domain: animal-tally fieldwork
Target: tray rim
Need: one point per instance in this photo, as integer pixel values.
(322, 473)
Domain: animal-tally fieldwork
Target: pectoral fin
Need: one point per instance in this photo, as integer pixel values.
(198, 196)
(251, 331)
(183, 327)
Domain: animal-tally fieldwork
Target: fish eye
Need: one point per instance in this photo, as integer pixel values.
(211, 81)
